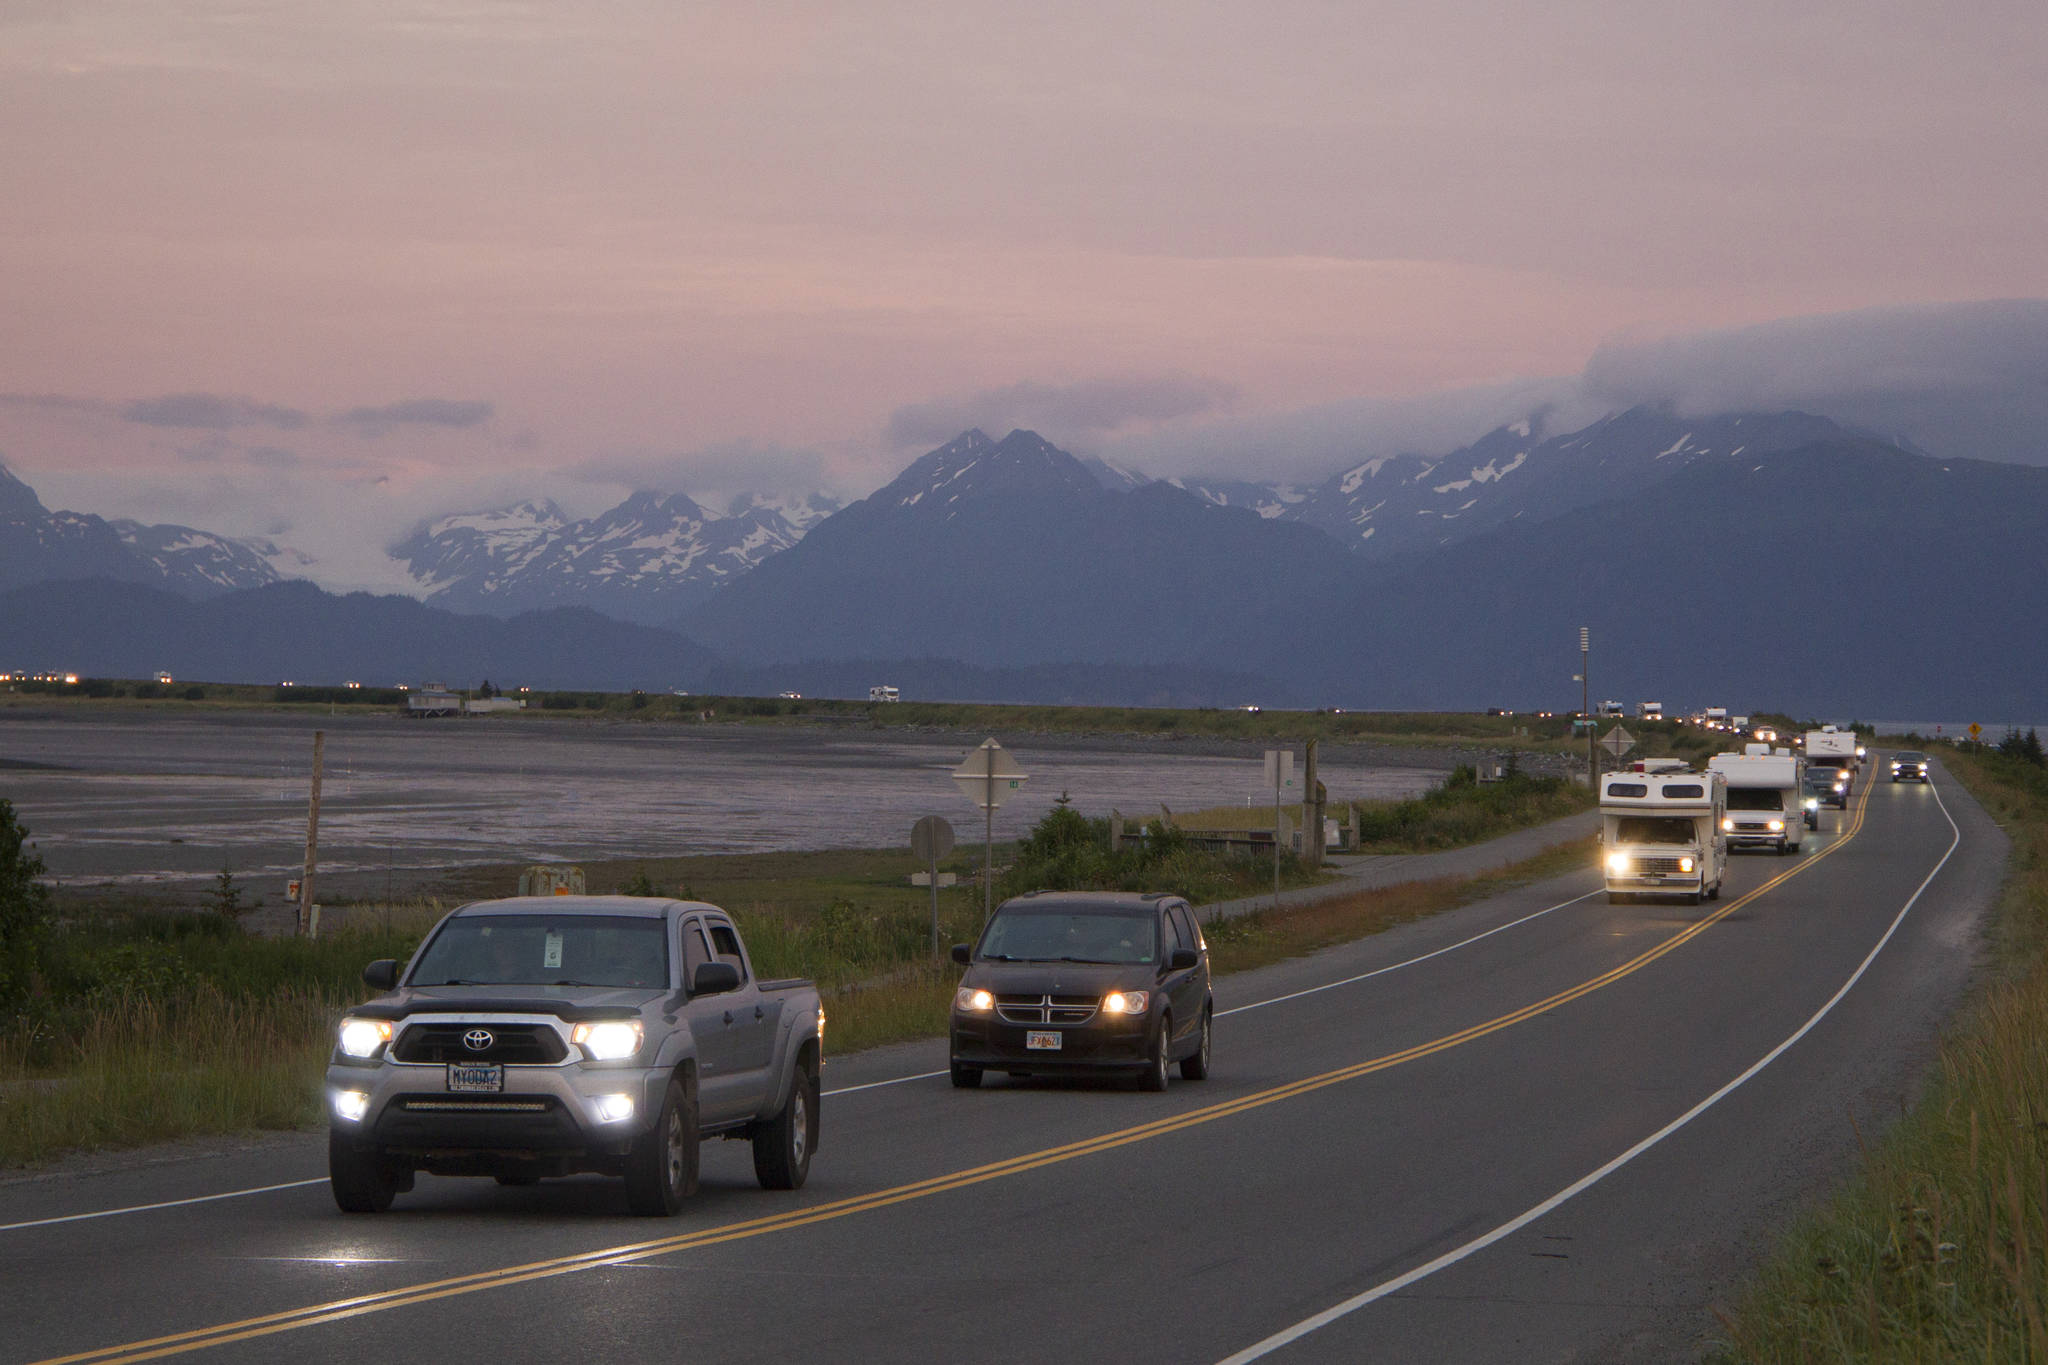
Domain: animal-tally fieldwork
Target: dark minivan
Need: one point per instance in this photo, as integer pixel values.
(1067, 983)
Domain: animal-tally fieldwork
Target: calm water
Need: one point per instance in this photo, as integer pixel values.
(169, 800)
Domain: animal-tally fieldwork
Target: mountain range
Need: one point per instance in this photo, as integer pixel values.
(1750, 559)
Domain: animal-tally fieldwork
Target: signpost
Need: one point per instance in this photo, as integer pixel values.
(308, 926)
(988, 777)
(931, 839)
(1976, 732)
(1279, 772)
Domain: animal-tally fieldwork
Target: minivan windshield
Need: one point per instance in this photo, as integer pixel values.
(1031, 934)
(540, 950)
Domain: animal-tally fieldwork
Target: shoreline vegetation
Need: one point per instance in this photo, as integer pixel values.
(136, 1025)
(1936, 1249)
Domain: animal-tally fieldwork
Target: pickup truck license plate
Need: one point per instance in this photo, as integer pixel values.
(489, 1076)
(1042, 1042)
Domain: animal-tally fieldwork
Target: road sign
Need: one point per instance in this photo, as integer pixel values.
(1618, 741)
(931, 838)
(1976, 731)
(1279, 768)
(989, 776)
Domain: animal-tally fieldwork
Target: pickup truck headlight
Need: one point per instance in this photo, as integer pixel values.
(1727, 823)
(1125, 1002)
(351, 1105)
(1618, 864)
(609, 1041)
(362, 1037)
(1775, 826)
(1685, 864)
(973, 1001)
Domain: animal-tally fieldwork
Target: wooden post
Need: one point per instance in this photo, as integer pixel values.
(306, 926)
(1312, 796)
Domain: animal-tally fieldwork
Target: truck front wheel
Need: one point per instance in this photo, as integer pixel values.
(661, 1170)
(783, 1145)
(362, 1183)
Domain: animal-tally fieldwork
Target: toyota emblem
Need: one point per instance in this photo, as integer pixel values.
(478, 1040)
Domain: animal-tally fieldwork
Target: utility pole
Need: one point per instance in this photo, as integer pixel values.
(312, 838)
(1586, 707)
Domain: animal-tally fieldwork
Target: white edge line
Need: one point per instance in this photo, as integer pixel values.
(166, 1204)
(843, 1090)
(1514, 1225)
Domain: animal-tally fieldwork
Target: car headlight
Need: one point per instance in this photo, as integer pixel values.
(1618, 864)
(609, 1040)
(1685, 864)
(1775, 825)
(351, 1105)
(1125, 1002)
(362, 1037)
(973, 1001)
(1727, 823)
(1813, 803)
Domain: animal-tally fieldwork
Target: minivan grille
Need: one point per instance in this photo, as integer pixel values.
(1046, 1009)
(512, 1044)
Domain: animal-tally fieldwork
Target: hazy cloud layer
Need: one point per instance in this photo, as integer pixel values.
(1059, 412)
(432, 412)
(211, 412)
(714, 472)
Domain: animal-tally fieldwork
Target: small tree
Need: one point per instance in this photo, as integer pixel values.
(225, 899)
(486, 691)
(24, 903)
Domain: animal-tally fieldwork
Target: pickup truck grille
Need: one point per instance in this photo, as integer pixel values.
(512, 1044)
(1664, 865)
(477, 1104)
(1046, 1009)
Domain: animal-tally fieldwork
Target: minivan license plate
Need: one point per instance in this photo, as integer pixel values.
(479, 1077)
(1042, 1042)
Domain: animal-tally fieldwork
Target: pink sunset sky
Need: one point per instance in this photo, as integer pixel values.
(319, 270)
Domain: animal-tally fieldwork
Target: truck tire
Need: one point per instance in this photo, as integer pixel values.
(966, 1077)
(783, 1145)
(1196, 1066)
(362, 1183)
(1153, 1078)
(661, 1168)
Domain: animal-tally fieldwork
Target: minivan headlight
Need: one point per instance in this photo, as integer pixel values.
(973, 1001)
(362, 1037)
(609, 1040)
(1125, 1002)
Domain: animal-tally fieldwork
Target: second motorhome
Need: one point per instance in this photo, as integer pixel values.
(1764, 796)
(1661, 835)
(1831, 748)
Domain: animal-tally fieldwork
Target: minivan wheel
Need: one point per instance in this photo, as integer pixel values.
(661, 1168)
(966, 1077)
(1154, 1076)
(1196, 1067)
(361, 1182)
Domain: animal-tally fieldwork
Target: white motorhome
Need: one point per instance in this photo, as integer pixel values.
(884, 692)
(1828, 747)
(1649, 710)
(1764, 796)
(1610, 708)
(1660, 835)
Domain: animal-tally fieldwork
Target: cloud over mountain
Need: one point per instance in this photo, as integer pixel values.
(1087, 408)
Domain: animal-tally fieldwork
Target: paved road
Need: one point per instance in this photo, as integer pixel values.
(1387, 1150)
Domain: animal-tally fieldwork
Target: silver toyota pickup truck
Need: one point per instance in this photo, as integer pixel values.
(548, 1035)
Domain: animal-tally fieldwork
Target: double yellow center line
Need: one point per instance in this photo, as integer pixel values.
(335, 1311)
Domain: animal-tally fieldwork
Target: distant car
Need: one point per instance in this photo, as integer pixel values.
(1084, 983)
(1251, 708)
(1823, 787)
(1908, 766)
(791, 696)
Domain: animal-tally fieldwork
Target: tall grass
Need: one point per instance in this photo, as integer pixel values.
(1938, 1248)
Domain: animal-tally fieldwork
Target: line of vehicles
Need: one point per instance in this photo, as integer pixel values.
(1666, 830)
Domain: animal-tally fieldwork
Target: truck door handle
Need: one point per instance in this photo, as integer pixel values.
(728, 1016)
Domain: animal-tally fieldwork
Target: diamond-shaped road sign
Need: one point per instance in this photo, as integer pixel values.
(1618, 741)
(989, 776)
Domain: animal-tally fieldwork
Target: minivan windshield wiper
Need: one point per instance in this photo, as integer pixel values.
(1098, 961)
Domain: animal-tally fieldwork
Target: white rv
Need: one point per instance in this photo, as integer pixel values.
(884, 692)
(1764, 796)
(1649, 710)
(1660, 835)
(1828, 747)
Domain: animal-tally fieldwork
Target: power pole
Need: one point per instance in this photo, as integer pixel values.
(312, 838)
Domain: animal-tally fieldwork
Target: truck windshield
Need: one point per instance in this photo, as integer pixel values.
(1653, 829)
(535, 950)
(1031, 935)
(1755, 798)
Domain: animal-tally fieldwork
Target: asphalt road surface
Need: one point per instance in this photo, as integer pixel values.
(1538, 1128)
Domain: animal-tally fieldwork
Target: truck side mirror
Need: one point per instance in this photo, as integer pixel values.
(715, 978)
(382, 974)
(963, 953)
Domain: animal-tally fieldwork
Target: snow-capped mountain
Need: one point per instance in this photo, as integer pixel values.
(38, 545)
(644, 560)
(200, 563)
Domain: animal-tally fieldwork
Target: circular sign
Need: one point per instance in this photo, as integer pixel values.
(931, 838)
(478, 1040)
